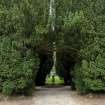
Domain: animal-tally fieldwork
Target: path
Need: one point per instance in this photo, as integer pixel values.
(55, 96)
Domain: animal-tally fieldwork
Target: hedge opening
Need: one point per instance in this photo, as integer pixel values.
(46, 63)
(66, 60)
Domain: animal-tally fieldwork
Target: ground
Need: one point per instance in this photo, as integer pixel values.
(55, 96)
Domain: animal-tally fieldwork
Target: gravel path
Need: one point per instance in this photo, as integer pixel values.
(55, 96)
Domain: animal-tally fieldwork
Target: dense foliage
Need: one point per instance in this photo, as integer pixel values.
(46, 63)
(26, 29)
(17, 72)
(83, 29)
(18, 37)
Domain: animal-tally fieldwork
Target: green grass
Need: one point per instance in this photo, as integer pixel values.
(58, 80)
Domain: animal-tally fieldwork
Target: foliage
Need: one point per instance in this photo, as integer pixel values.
(58, 80)
(25, 28)
(89, 76)
(65, 63)
(8, 87)
(17, 73)
(18, 62)
(46, 63)
(82, 28)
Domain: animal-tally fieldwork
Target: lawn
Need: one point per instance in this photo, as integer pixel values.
(57, 80)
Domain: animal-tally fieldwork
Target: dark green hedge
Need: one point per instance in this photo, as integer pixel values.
(18, 37)
(17, 72)
(90, 76)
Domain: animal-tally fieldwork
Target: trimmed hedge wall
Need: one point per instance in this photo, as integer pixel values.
(90, 76)
(17, 72)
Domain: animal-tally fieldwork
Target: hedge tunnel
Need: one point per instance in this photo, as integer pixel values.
(46, 63)
(66, 60)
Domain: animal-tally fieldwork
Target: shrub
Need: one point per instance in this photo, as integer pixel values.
(90, 76)
(17, 72)
(8, 87)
